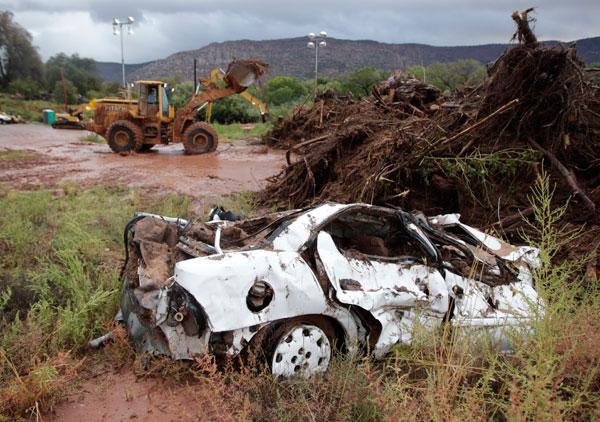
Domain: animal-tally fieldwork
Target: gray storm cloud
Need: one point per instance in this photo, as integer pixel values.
(165, 27)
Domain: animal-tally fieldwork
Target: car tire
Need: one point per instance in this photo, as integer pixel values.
(125, 136)
(200, 138)
(301, 347)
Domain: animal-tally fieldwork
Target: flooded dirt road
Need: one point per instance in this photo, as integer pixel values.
(54, 156)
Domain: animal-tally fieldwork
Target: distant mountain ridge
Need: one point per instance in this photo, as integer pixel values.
(110, 71)
(290, 56)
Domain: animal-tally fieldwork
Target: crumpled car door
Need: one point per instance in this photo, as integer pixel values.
(388, 290)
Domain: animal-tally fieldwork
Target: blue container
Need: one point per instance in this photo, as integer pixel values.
(49, 116)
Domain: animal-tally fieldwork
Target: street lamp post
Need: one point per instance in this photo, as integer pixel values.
(316, 42)
(118, 29)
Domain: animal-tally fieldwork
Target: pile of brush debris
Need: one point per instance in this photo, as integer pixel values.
(478, 152)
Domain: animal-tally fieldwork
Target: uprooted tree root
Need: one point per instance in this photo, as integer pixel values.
(477, 152)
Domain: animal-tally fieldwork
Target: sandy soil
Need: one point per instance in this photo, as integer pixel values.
(59, 155)
(121, 396)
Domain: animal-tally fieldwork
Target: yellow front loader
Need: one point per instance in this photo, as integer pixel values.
(138, 125)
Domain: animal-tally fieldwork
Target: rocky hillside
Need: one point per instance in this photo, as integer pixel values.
(110, 71)
(291, 57)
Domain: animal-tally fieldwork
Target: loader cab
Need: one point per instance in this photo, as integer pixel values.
(154, 101)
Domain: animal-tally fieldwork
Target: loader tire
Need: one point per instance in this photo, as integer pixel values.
(125, 136)
(200, 138)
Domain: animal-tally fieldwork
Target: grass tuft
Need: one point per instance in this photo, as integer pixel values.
(238, 131)
(17, 155)
(93, 138)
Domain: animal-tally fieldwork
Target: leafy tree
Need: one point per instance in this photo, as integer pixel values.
(326, 83)
(59, 92)
(82, 72)
(284, 89)
(282, 95)
(19, 59)
(360, 81)
(449, 76)
(172, 80)
(182, 94)
(28, 88)
(107, 89)
(227, 110)
(234, 110)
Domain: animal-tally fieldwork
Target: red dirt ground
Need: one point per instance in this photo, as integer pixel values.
(120, 396)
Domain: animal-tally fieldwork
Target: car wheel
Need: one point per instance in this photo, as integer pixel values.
(301, 348)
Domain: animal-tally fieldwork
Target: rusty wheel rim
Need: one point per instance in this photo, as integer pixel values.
(200, 140)
(121, 138)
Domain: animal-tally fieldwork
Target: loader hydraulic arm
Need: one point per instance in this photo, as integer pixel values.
(216, 75)
(264, 109)
(239, 76)
(188, 112)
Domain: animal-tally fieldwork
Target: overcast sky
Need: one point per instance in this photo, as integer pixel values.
(164, 27)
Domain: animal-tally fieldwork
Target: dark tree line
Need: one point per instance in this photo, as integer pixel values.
(19, 59)
(23, 72)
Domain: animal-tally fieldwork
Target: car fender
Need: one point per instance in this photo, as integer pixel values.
(220, 284)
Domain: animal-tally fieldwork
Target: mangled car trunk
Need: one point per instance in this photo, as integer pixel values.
(297, 285)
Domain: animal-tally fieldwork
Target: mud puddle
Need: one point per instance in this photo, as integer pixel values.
(61, 156)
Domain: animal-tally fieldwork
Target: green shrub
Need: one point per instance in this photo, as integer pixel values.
(65, 251)
(28, 88)
(284, 89)
(67, 87)
(450, 76)
(234, 110)
(359, 82)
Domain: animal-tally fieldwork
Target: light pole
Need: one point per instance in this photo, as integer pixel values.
(316, 42)
(118, 29)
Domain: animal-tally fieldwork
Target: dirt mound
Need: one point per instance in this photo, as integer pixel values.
(477, 152)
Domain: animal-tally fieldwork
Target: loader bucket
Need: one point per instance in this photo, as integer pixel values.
(243, 73)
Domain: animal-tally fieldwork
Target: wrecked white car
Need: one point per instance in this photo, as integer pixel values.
(297, 285)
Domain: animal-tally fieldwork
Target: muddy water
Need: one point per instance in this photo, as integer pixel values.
(59, 155)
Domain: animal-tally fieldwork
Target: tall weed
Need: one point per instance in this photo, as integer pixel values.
(59, 277)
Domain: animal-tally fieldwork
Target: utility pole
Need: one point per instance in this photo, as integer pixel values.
(316, 42)
(64, 86)
(118, 30)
